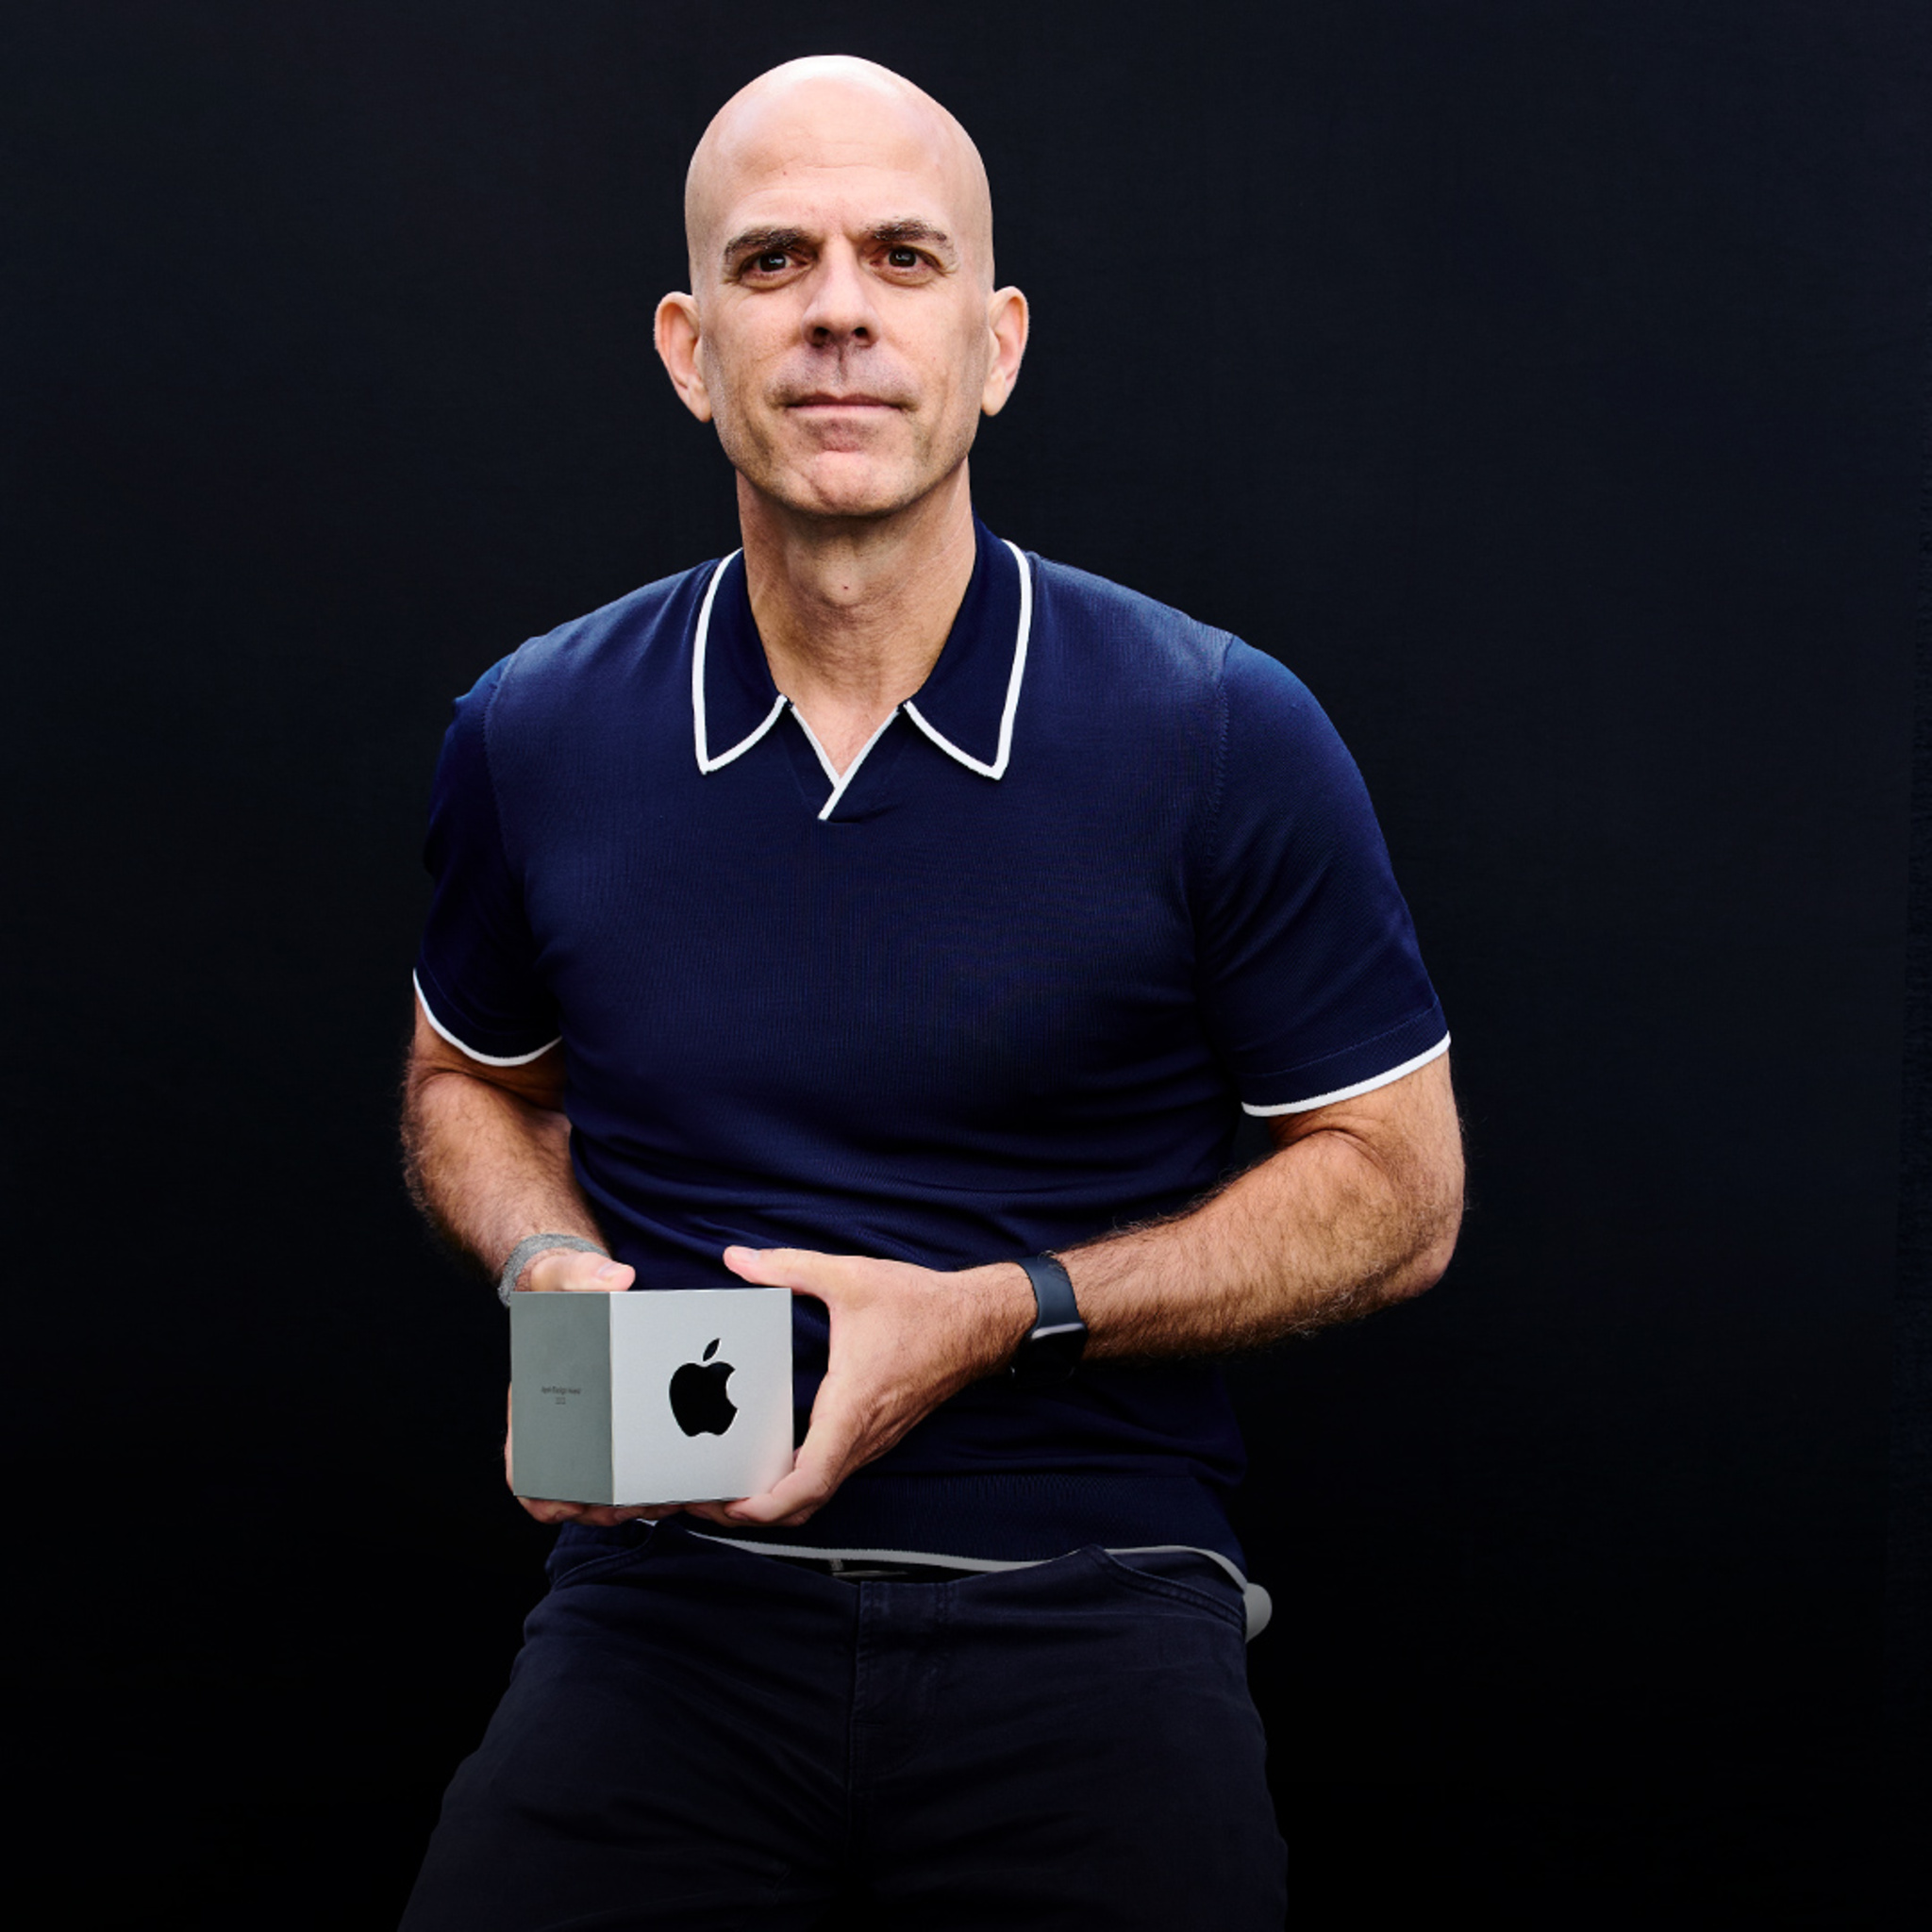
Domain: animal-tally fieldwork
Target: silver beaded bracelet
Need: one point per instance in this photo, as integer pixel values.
(529, 1248)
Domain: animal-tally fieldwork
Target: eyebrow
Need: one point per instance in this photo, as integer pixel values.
(762, 241)
(893, 234)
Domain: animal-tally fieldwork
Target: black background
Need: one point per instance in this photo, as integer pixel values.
(1544, 382)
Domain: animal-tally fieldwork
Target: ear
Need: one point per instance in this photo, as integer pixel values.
(677, 349)
(1008, 320)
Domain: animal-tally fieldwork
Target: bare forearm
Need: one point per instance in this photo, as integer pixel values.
(488, 1167)
(1309, 1237)
(1330, 1227)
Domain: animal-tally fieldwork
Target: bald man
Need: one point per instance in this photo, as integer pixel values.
(888, 914)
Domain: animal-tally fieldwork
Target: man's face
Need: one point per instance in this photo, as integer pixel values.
(844, 344)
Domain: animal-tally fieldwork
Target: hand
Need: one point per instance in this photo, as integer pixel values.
(902, 1339)
(569, 1270)
(598, 1515)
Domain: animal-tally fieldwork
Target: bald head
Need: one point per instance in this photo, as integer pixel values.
(841, 328)
(831, 116)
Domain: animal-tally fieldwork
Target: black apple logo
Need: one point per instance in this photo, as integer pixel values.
(698, 1399)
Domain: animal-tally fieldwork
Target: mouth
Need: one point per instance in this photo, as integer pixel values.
(822, 399)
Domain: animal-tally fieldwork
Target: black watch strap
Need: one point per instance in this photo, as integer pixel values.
(1052, 1347)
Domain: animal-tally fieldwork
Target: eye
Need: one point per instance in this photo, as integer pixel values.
(774, 262)
(903, 257)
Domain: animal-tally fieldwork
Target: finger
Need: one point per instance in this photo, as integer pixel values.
(545, 1510)
(824, 1459)
(801, 1270)
(792, 1500)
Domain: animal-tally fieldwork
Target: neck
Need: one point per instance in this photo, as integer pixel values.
(854, 613)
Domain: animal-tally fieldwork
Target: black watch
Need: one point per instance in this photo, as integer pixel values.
(1052, 1348)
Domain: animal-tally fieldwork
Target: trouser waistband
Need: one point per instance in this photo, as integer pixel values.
(926, 1566)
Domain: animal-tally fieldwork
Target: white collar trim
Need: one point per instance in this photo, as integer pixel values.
(840, 779)
(1022, 634)
(706, 762)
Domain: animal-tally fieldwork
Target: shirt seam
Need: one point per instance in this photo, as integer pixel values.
(495, 793)
(1217, 796)
(511, 869)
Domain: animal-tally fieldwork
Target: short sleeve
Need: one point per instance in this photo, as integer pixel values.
(1312, 986)
(476, 969)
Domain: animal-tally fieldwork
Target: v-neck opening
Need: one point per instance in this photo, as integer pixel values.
(841, 781)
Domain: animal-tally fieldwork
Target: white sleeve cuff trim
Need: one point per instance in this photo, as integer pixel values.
(1422, 1059)
(487, 1059)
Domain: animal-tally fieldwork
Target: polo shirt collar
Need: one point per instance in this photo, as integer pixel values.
(965, 707)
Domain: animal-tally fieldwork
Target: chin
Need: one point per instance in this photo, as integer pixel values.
(849, 489)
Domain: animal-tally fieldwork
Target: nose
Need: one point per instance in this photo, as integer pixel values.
(840, 309)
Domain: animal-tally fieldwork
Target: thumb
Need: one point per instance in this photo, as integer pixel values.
(799, 1269)
(567, 1271)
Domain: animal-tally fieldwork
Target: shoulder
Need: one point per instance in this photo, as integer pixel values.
(1116, 639)
(552, 701)
(1102, 623)
(578, 661)
(618, 669)
(1262, 750)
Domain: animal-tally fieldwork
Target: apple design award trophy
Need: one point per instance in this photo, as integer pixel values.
(678, 1396)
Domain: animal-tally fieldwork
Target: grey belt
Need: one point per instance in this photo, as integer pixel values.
(859, 1566)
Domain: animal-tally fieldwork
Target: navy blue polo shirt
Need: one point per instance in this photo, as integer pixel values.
(1108, 879)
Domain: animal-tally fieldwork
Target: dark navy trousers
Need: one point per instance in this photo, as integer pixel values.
(695, 1737)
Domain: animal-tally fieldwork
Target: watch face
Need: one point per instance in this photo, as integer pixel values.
(1050, 1355)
